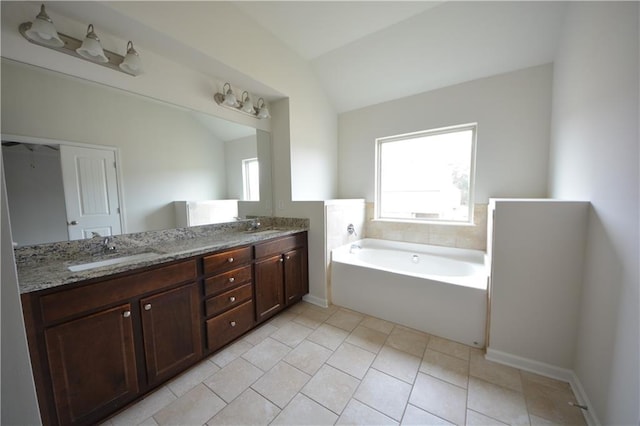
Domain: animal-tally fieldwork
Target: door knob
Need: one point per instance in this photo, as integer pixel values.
(73, 222)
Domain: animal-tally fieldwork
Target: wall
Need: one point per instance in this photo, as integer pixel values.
(166, 153)
(34, 180)
(594, 156)
(18, 393)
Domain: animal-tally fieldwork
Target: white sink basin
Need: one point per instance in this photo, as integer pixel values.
(112, 261)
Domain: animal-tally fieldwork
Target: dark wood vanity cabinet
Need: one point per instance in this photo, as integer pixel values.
(281, 277)
(98, 346)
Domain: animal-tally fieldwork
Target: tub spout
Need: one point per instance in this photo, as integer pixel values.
(354, 247)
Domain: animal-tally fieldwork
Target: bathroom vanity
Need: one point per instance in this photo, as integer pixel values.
(112, 334)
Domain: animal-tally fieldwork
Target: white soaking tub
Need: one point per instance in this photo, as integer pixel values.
(438, 290)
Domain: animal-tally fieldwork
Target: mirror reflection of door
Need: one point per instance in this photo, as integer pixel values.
(91, 191)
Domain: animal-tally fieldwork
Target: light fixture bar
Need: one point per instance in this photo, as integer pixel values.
(219, 98)
(70, 46)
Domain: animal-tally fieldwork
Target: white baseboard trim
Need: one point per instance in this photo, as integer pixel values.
(316, 300)
(551, 371)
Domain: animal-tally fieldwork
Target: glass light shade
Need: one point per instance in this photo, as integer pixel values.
(131, 62)
(263, 111)
(230, 98)
(91, 48)
(43, 31)
(247, 105)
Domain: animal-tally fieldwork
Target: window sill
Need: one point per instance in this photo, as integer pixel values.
(425, 222)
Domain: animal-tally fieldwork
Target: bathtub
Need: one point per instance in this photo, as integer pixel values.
(438, 290)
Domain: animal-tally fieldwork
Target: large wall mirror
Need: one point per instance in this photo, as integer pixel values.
(166, 154)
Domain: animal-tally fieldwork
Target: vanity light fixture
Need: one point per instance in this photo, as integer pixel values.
(228, 100)
(263, 111)
(91, 48)
(43, 33)
(247, 105)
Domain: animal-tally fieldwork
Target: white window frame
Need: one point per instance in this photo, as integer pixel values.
(247, 194)
(378, 162)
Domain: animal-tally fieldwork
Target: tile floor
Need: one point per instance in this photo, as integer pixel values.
(310, 365)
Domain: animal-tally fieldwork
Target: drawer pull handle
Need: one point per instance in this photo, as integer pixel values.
(232, 299)
(232, 323)
(230, 260)
(126, 314)
(231, 279)
(147, 307)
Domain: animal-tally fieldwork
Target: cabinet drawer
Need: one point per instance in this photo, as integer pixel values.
(66, 303)
(229, 299)
(227, 259)
(226, 327)
(280, 245)
(227, 280)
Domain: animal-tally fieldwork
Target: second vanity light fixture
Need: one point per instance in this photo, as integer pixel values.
(228, 99)
(43, 33)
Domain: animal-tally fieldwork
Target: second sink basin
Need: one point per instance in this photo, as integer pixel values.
(112, 261)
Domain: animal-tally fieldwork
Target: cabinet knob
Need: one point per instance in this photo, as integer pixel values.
(126, 314)
(232, 323)
(281, 260)
(231, 279)
(288, 257)
(230, 260)
(232, 299)
(147, 307)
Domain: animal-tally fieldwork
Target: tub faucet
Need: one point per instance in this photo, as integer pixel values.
(351, 230)
(354, 247)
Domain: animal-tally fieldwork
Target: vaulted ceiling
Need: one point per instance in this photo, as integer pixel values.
(365, 53)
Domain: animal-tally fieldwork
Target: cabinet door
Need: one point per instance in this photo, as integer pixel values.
(171, 331)
(269, 287)
(93, 365)
(295, 282)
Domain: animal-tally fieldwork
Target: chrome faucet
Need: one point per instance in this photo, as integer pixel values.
(254, 225)
(354, 247)
(107, 245)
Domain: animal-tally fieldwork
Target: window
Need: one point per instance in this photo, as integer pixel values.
(426, 176)
(251, 179)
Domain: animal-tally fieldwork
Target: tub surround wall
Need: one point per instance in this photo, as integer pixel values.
(459, 236)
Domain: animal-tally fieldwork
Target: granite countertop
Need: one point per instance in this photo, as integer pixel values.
(46, 266)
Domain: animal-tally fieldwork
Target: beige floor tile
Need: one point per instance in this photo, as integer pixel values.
(397, 363)
(328, 336)
(266, 354)
(193, 408)
(449, 347)
(445, 367)
(308, 357)
(149, 422)
(192, 377)
(476, 419)
(539, 421)
(352, 360)
(318, 314)
(291, 334)
(377, 324)
(282, 319)
(281, 384)
(305, 411)
(357, 413)
(146, 408)
(298, 308)
(492, 372)
(258, 335)
(331, 387)
(418, 417)
(367, 338)
(250, 408)
(345, 319)
(228, 354)
(308, 322)
(549, 399)
(407, 340)
(233, 379)
(497, 402)
(387, 394)
(440, 398)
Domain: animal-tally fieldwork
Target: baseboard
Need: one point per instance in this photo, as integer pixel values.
(316, 300)
(551, 371)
